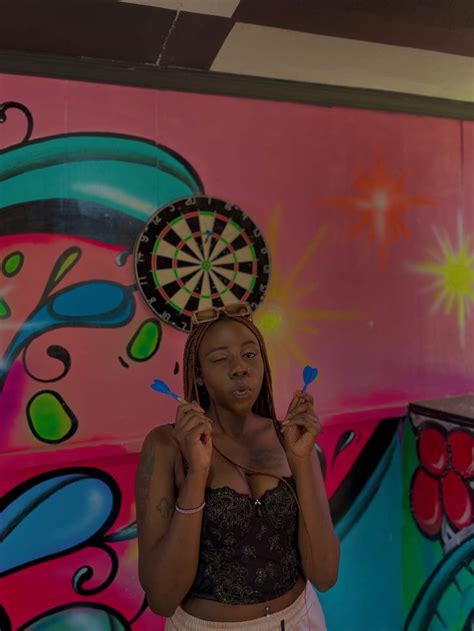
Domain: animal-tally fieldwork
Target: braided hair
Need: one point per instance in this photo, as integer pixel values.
(264, 405)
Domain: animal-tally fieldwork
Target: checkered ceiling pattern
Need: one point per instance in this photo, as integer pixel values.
(305, 40)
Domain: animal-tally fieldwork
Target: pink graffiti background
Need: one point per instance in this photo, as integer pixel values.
(369, 220)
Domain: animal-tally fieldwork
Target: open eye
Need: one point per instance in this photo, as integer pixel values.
(250, 354)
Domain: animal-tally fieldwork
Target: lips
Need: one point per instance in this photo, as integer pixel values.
(241, 391)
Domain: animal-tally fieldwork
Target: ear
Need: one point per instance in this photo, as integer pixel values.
(199, 379)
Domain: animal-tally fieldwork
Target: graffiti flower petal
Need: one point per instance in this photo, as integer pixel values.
(461, 445)
(433, 451)
(456, 500)
(426, 503)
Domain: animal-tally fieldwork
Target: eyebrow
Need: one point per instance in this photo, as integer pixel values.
(224, 348)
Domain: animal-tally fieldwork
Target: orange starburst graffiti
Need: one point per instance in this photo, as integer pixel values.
(381, 201)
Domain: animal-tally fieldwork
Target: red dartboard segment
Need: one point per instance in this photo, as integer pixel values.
(198, 252)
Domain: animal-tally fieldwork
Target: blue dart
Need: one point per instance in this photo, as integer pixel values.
(310, 374)
(160, 386)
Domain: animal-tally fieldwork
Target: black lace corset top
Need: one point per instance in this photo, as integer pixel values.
(249, 548)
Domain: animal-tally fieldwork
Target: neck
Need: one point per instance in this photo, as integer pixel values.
(232, 424)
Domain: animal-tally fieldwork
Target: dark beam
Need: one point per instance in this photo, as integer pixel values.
(206, 82)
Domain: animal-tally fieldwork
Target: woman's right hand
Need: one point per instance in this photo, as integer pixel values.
(192, 432)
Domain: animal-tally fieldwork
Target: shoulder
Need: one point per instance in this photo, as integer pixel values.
(160, 439)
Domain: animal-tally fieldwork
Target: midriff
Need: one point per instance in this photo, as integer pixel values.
(219, 612)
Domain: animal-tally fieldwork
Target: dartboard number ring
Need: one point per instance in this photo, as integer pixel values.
(198, 252)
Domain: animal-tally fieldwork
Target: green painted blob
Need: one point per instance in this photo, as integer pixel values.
(414, 572)
(145, 342)
(5, 310)
(50, 419)
(13, 263)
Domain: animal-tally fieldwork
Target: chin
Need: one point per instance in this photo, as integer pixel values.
(242, 405)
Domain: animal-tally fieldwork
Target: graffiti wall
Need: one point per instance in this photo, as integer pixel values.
(366, 222)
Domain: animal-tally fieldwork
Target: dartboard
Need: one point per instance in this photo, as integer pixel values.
(199, 252)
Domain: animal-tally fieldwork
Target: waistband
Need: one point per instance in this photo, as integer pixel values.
(305, 607)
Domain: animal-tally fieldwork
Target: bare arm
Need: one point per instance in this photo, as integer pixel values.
(317, 540)
(168, 541)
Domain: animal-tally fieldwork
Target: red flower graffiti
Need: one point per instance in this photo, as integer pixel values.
(440, 486)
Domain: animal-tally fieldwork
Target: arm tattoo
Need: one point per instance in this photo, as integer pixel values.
(145, 471)
(165, 508)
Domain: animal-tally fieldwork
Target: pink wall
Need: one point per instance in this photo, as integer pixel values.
(368, 216)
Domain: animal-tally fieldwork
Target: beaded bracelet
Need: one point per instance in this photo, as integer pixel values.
(189, 511)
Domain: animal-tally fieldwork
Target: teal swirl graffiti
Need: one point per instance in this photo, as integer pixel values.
(446, 581)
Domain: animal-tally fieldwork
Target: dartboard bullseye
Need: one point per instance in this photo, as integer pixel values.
(199, 252)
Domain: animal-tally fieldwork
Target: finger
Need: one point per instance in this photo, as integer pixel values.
(186, 408)
(189, 413)
(186, 437)
(182, 431)
(186, 404)
(312, 425)
(313, 418)
(303, 407)
(191, 421)
(304, 396)
(293, 403)
(300, 398)
(203, 430)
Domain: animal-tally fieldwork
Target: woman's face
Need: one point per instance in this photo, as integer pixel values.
(231, 365)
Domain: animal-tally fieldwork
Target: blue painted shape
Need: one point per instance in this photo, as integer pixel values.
(367, 594)
(95, 303)
(98, 301)
(78, 618)
(52, 517)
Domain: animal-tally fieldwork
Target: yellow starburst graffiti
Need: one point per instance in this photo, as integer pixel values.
(279, 317)
(380, 200)
(453, 270)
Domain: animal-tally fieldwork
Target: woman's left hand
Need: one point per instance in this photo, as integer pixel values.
(301, 426)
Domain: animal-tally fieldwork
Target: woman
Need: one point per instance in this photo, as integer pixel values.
(233, 520)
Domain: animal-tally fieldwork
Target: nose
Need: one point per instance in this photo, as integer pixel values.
(238, 368)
